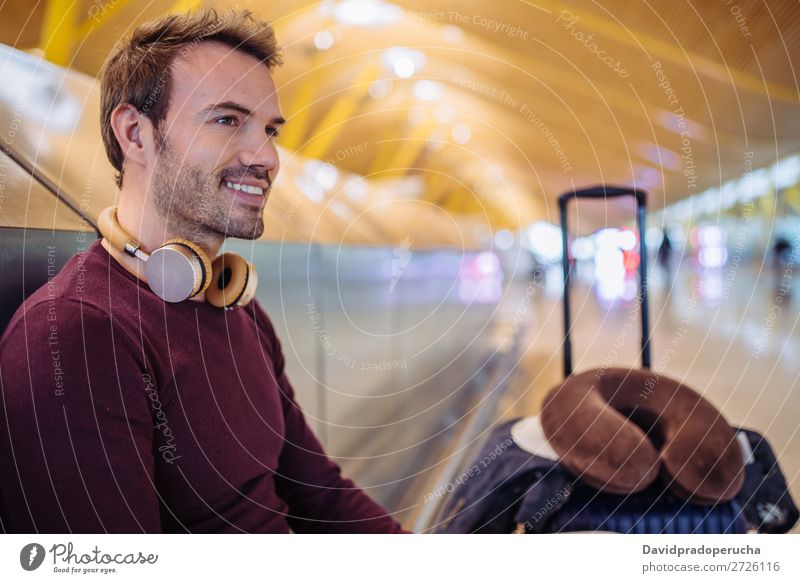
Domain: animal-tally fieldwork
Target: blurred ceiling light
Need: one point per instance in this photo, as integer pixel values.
(712, 257)
(403, 62)
(436, 142)
(609, 269)
(341, 209)
(411, 186)
(365, 12)
(609, 263)
(787, 172)
(709, 201)
(444, 114)
(426, 90)
(708, 236)
(35, 86)
(480, 279)
(355, 187)
(661, 157)
(712, 286)
(310, 188)
(404, 67)
(607, 238)
(416, 117)
(756, 184)
(649, 176)
(752, 185)
(487, 263)
(323, 173)
(583, 248)
(494, 174)
(380, 88)
(323, 40)
(627, 239)
(452, 33)
(461, 134)
(482, 234)
(543, 239)
(669, 120)
(503, 239)
(729, 194)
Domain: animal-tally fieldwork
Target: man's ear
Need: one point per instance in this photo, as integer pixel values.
(132, 130)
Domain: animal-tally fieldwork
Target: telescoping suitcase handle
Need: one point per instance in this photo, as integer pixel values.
(605, 192)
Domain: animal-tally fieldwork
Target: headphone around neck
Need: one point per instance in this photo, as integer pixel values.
(179, 269)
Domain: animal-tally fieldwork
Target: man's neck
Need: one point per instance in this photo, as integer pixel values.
(148, 229)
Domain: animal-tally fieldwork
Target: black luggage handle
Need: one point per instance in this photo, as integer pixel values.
(606, 192)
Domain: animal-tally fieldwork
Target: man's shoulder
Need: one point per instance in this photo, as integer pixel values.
(77, 294)
(37, 315)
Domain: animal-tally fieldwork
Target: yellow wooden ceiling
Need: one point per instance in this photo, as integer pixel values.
(551, 94)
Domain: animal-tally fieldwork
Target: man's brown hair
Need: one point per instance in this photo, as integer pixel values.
(139, 69)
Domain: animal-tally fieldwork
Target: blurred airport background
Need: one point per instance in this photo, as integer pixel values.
(412, 258)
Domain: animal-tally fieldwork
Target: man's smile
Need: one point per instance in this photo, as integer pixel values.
(249, 193)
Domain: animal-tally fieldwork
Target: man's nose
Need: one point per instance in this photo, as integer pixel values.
(260, 152)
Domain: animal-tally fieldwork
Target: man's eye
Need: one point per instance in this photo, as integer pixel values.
(228, 120)
(273, 132)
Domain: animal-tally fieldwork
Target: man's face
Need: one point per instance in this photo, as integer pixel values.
(216, 158)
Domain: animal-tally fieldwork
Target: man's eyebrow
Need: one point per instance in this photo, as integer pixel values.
(230, 105)
(233, 106)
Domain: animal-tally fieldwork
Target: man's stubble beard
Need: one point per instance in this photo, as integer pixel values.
(191, 204)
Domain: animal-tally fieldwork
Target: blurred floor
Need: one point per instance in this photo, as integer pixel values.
(731, 334)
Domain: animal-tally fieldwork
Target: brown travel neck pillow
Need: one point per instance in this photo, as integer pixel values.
(618, 430)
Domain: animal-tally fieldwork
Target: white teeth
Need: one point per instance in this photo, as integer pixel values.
(245, 188)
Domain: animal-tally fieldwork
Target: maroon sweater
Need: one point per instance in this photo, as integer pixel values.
(123, 413)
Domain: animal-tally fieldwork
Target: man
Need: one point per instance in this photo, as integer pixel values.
(168, 417)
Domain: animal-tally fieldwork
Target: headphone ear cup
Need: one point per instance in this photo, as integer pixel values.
(203, 264)
(233, 281)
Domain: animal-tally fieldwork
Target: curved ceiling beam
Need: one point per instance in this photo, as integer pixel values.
(674, 54)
